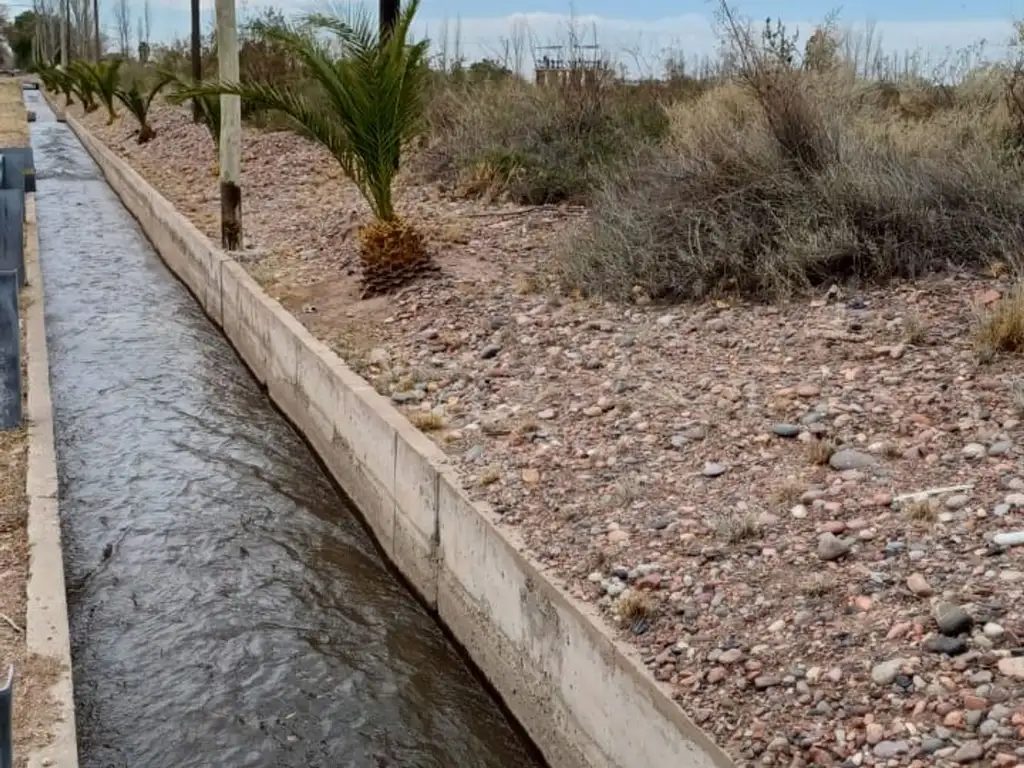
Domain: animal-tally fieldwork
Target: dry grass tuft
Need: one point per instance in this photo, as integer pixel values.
(820, 451)
(736, 528)
(820, 585)
(1001, 328)
(426, 421)
(922, 511)
(635, 606)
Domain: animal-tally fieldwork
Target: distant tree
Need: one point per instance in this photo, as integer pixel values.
(20, 35)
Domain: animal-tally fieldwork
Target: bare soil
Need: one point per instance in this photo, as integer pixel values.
(678, 466)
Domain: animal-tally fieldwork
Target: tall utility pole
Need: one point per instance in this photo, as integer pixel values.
(65, 34)
(230, 130)
(197, 58)
(388, 12)
(96, 28)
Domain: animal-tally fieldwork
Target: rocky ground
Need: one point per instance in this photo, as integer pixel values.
(734, 486)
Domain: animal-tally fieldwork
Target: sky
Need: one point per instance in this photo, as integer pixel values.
(642, 32)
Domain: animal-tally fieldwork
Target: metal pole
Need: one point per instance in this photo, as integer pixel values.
(230, 130)
(197, 58)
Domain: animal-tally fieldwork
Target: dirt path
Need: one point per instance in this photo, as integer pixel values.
(33, 708)
(723, 481)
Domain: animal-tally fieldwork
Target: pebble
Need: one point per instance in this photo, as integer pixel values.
(999, 448)
(890, 749)
(491, 350)
(958, 501)
(713, 469)
(993, 630)
(830, 547)
(919, 585)
(848, 459)
(951, 646)
(968, 752)
(786, 430)
(1012, 666)
(951, 618)
(874, 733)
(885, 673)
(1014, 539)
(974, 451)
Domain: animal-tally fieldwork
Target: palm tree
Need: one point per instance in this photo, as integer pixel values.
(369, 104)
(105, 77)
(137, 99)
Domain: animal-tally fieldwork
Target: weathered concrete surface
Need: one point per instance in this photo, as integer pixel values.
(584, 698)
(46, 615)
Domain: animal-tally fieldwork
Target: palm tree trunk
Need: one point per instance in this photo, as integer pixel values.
(197, 59)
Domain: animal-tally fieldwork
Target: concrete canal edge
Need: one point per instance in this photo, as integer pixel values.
(584, 699)
(46, 614)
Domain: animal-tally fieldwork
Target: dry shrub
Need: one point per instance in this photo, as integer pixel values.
(768, 188)
(536, 144)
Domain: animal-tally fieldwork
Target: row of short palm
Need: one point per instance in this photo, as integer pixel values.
(106, 84)
(366, 105)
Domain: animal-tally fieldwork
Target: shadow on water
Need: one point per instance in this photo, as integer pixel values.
(227, 608)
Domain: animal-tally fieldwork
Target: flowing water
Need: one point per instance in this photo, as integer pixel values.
(227, 608)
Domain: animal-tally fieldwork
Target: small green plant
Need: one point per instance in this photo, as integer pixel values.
(137, 98)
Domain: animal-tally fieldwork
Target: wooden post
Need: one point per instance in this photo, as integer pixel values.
(197, 58)
(230, 130)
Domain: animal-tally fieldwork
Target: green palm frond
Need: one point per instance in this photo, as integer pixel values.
(105, 78)
(209, 102)
(81, 83)
(370, 96)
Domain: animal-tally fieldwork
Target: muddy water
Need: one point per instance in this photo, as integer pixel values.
(227, 609)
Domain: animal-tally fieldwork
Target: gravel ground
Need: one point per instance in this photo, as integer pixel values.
(722, 481)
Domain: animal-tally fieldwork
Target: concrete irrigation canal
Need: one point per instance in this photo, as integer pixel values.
(227, 608)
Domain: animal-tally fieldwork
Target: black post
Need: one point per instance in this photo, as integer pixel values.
(389, 10)
(197, 59)
(6, 713)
